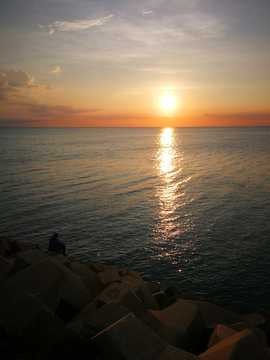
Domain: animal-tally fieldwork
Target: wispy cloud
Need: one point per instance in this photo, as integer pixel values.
(46, 110)
(41, 26)
(17, 122)
(56, 70)
(241, 115)
(80, 24)
(146, 11)
(51, 31)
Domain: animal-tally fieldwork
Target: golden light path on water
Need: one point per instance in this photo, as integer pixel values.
(173, 220)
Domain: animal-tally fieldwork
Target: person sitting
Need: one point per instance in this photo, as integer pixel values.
(56, 245)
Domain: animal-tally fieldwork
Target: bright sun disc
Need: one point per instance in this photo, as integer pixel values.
(167, 102)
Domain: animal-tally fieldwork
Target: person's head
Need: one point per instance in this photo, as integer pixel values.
(55, 233)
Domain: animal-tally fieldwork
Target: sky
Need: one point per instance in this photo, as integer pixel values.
(106, 63)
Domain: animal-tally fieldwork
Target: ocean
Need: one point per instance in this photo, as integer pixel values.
(186, 206)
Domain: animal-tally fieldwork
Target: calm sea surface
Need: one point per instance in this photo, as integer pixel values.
(186, 206)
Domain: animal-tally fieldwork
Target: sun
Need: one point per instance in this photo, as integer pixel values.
(167, 101)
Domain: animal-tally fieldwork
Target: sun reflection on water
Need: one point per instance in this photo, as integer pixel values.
(173, 220)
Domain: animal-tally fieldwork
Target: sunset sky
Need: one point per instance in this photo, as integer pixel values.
(108, 62)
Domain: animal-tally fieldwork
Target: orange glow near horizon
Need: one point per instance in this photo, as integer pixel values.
(134, 76)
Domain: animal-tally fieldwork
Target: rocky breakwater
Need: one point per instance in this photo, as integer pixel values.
(53, 307)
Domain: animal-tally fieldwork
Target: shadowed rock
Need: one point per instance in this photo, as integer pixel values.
(25, 259)
(5, 267)
(220, 333)
(27, 319)
(99, 320)
(187, 319)
(212, 313)
(257, 331)
(146, 297)
(4, 247)
(43, 279)
(97, 267)
(89, 279)
(241, 346)
(129, 339)
(136, 275)
(74, 291)
(63, 260)
(162, 300)
(15, 246)
(173, 353)
(259, 321)
(108, 277)
(132, 279)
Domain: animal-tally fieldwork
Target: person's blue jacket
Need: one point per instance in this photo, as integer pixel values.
(55, 244)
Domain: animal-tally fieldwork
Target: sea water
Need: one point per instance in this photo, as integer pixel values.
(186, 206)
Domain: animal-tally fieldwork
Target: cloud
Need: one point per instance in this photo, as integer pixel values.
(242, 115)
(47, 110)
(56, 70)
(146, 11)
(11, 122)
(149, 37)
(51, 30)
(80, 24)
(16, 78)
(41, 26)
(13, 81)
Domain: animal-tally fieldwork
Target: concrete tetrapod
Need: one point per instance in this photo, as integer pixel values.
(187, 319)
(30, 323)
(129, 339)
(241, 346)
(43, 279)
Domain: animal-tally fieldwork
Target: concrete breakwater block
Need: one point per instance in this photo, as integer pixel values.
(25, 259)
(136, 276)
(107, 277)
(44, 280)
(15, 246)
(257, 331)
(220, 333)
(27, 320)
(46, 277)
(122, 295)
(241, 346)
(212, 313)
(162, 300)
(116, 312)
(74, 292)
(131, 279)
(5, 268)
(4, 247)
(97, 267)
(99, 320)
(63, 260)
(188, 321)
(146, 297)
(173, 353)
(129, 339)
(127, 298)
(9, 248)
(89, 279)
(258, 320)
